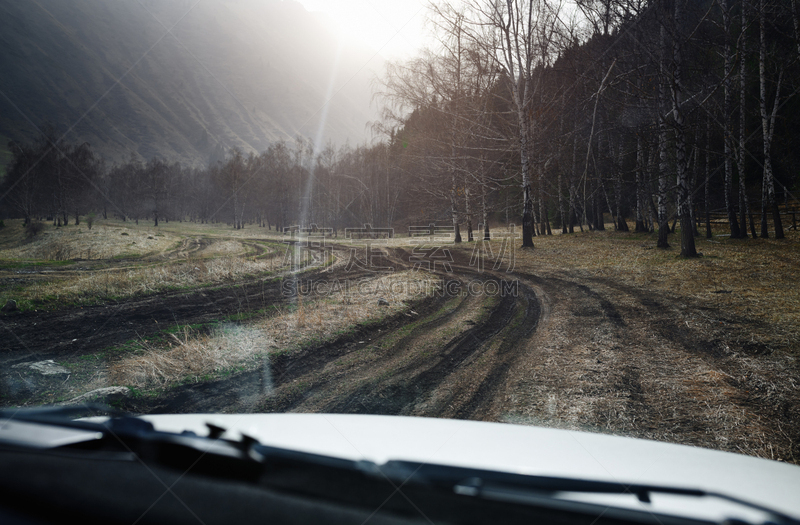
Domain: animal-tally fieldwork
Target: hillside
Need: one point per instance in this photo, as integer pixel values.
(179, 79)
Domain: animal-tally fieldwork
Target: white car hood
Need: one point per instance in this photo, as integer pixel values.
(527, 450)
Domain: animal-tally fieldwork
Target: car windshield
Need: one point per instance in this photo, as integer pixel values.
(578, 214)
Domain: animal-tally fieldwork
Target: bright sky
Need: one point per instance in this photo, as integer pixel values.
(393, 27)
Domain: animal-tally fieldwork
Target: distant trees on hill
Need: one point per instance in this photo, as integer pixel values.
(283, 186)
(50, 178)
(548, 114)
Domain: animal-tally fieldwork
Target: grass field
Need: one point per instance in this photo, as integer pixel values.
(113, 260)
(754, 278)
(748, 279)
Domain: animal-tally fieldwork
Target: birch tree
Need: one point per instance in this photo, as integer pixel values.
(682, 170)
(742, 153)
(727, 120)
(521, 25)
(767, 130)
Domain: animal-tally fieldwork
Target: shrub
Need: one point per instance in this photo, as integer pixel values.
(33, 229)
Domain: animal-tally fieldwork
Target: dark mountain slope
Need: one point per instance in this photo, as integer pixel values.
(177, 78)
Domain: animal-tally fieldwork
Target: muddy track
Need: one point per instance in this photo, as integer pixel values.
(419, 379)
(569, 350)
(617, 358)
(188, 247)
(474, 408)
(247, 389)
(93, 328)
(78, 331)
(194, 247)
(406, 365)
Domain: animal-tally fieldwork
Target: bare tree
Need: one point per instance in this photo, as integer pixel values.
(742, 153)
(676, 87)
(767, 130)
(728, 120)
(526, 31)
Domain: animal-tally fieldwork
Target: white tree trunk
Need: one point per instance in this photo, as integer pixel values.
(767, 129)
(741, 157)
(727, 123)
(687, 228)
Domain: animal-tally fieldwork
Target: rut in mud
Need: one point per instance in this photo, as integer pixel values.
(88, 329)
(564, 349)
(426, 363)
(571, 351)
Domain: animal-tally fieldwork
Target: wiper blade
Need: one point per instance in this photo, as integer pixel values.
(60, 415)
(245, 459)
(519, 487)
(470, 481)
(248, 460)
(60, 412)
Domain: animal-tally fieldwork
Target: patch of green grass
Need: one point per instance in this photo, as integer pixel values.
(23, 305)
(398, 335)
(519, 317)
(92, 357)
(230, 371)
(447, 307)
(135, 392)
(156, 339)
(252, 314)
(10, 264)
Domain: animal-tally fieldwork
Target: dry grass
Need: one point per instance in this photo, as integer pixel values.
(656, 390)
(189, 356)
(116, 283)
(101, 242)
(713, 364)
(192, 356)
(323, 318)
(753, 278)
(223, 248)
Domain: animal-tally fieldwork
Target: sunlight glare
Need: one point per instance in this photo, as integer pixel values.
(392, 27)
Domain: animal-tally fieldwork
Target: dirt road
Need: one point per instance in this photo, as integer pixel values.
(567, 350)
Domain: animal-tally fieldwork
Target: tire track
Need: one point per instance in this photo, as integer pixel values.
(415, 379)
(89, 329)
(401, 380)
(475, 408)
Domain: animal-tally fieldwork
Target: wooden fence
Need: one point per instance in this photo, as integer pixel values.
(717, 217)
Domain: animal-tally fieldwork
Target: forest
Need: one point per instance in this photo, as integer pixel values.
(654, 116)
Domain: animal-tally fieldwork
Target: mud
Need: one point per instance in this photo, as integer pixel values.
(565, 350)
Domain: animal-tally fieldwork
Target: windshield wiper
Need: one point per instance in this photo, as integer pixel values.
(323, 476)
(244, 459)
(505, 486)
